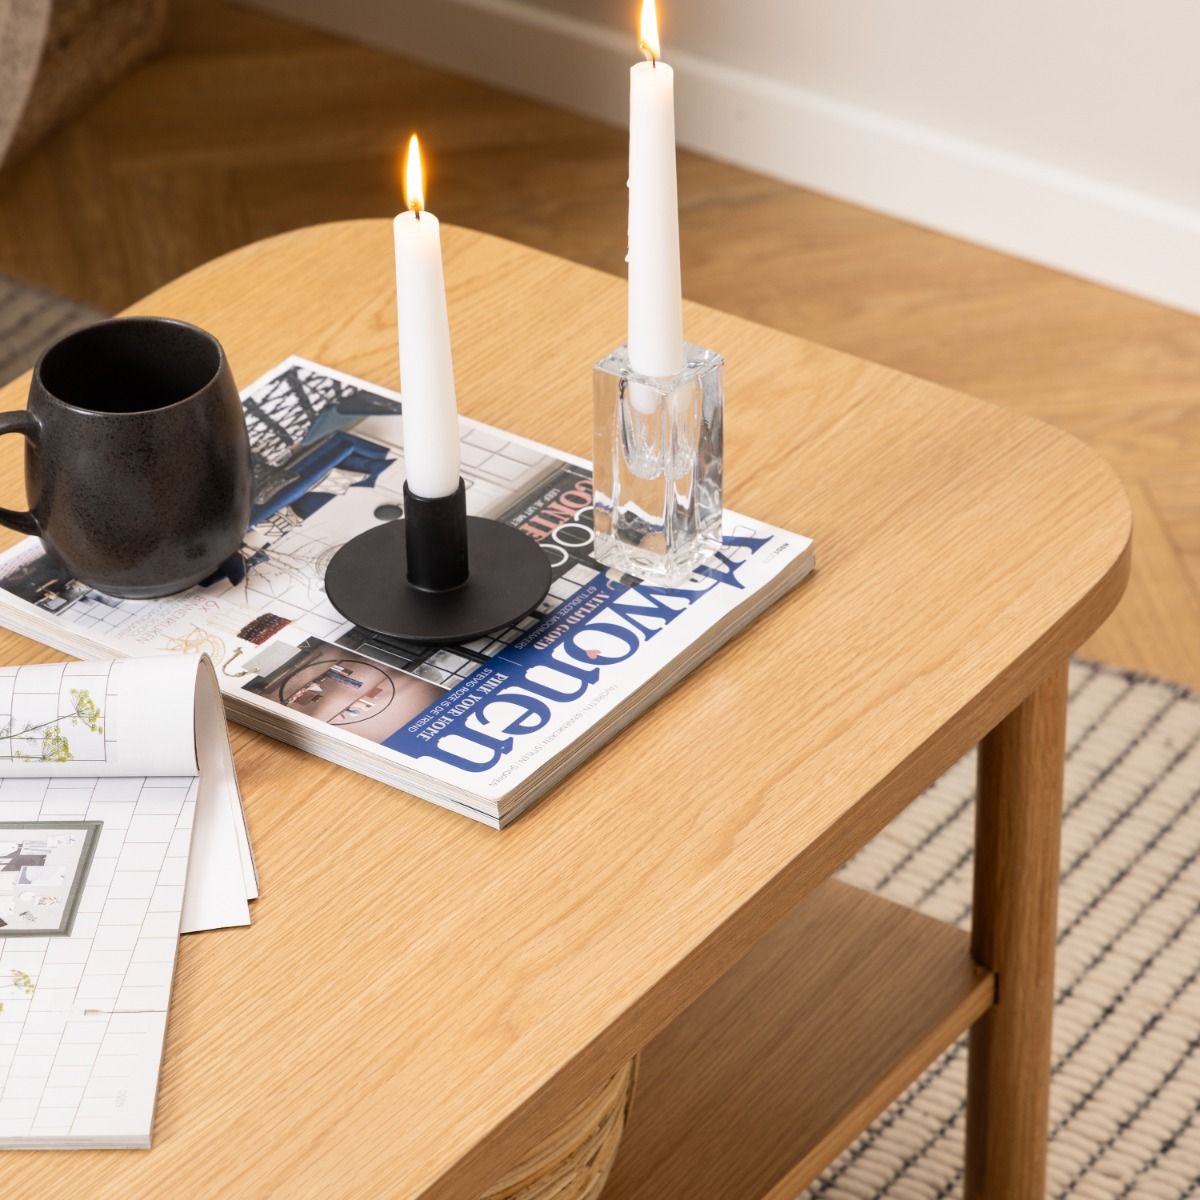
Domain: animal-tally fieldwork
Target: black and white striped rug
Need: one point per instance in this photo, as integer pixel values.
(30, 319)
(1125, 1106)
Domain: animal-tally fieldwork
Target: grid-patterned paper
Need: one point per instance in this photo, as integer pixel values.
(85, 1011)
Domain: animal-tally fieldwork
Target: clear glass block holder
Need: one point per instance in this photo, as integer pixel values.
(658, 464)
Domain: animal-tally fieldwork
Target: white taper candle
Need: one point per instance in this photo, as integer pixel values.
(431, 451)
(655, 294)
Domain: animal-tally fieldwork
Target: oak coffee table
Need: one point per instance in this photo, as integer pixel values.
(418, 1027)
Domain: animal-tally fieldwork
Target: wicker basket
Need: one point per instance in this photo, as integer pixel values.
(574, 1161)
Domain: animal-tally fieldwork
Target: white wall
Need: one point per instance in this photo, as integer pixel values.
(1066, 131)
(1110, 88)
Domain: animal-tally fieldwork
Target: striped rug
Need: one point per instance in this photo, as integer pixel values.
(1125, 1106)
(30, 319)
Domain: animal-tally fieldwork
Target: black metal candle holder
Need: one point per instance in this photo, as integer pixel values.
(437, 576)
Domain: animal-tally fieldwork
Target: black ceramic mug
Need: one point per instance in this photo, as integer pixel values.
(137, 462)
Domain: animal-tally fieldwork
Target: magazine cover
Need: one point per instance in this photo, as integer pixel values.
(467, 726)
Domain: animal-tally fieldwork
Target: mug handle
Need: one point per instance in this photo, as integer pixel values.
(20, 421)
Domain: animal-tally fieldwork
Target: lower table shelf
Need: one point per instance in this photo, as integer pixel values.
(766, 1078)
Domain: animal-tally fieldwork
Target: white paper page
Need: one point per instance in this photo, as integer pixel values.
(129, 717)
(132, 718)
(221, 876)
(92, 874)
(214, 754)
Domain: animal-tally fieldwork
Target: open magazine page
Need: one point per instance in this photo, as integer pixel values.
(127, 722)
(120, 828)
(221, 875)
(465, 725)
(79, 719)
(92, 875)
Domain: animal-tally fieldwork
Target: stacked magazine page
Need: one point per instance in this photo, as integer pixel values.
(120, 827)
(484, 728)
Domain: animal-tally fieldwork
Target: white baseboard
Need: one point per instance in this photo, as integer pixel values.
(1018, 205)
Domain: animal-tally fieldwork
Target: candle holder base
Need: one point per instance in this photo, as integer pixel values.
(367, 582)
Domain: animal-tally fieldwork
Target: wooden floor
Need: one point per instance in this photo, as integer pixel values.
(248, 126)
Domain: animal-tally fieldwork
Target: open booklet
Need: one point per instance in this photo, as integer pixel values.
(485, 728)
(120, 826)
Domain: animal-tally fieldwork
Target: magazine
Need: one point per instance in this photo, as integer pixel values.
(120, 827)
(485, 728)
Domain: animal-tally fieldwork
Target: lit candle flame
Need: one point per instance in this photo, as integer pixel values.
(414, 177)
(648, 38)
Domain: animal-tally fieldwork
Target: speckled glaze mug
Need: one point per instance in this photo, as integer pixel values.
(137, 462)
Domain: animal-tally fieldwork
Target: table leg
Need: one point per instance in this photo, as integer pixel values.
(1018, 825)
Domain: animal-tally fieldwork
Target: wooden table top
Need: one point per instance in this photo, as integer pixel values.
(418, 993)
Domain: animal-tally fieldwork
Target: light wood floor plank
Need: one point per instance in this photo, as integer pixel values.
(1176, 501)
(1150, 627)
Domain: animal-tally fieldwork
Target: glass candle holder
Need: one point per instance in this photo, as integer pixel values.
(658, 448)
